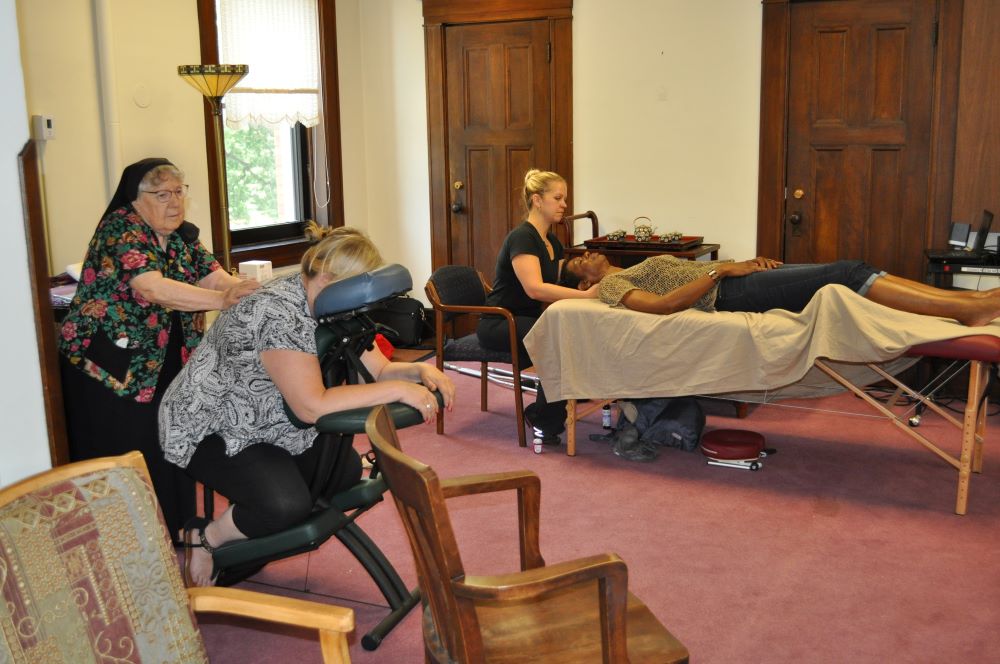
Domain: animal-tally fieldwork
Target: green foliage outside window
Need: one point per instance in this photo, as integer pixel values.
(252, 177)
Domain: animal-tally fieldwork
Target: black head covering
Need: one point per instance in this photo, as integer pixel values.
(128, 191)
(128, 186)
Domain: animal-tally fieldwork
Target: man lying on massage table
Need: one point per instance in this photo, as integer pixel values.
(666, 285)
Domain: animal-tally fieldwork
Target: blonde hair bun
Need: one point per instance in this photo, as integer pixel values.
(314, 232)
(538, 182)
(339, 252)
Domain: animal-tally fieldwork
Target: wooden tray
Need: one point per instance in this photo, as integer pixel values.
(654, 243)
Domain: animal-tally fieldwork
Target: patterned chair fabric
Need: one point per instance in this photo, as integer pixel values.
(87, 574)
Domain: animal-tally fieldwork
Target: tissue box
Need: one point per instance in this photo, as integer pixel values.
(259, 270)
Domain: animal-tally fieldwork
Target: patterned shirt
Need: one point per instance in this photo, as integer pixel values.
(225, 389)
(111, 332)
(659, 275)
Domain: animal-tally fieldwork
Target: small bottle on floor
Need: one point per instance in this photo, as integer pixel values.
(537, 445)
(606, 416)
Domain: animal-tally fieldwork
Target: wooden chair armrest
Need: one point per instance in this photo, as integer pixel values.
(529, 498)
(607, 570)
(469, 485)
(272, 608)
(529, 584)
(475, 309)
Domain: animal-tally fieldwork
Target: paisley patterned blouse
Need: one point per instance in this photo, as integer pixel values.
(111, 332)
(225, 389)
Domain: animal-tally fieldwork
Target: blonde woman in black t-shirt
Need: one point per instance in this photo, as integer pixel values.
(527, 272)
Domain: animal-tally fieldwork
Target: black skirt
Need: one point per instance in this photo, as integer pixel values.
(100, 423)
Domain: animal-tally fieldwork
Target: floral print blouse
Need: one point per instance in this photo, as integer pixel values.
(111, 332)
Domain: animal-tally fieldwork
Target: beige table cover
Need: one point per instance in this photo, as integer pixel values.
(583, 349)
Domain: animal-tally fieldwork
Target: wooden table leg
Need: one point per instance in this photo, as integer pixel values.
(970, 426)
(571, 427)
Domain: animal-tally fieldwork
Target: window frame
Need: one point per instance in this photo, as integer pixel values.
(288, 247)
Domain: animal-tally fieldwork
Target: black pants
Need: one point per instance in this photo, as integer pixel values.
(270, 489)
(493, 333)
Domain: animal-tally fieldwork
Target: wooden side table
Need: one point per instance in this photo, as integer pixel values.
(630, 257)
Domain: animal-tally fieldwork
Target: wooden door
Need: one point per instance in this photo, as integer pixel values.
(498, 102)
(860, 104)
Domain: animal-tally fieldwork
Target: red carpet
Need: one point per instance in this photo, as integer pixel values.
(844, 547)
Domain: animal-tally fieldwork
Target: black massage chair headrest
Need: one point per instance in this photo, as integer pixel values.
(346, 297)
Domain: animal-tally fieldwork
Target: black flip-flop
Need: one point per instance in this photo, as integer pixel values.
(198, 523)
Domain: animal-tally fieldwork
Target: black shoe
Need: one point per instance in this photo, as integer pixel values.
(549, 434)
(550, 440)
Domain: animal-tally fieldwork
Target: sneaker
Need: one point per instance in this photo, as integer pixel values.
(547, 438)
(628, 446)
(550, 440)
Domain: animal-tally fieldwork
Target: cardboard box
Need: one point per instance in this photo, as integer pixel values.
(259, 270)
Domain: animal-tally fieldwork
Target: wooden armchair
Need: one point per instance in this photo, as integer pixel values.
(459, 290)
(88, 573)
(575, 611)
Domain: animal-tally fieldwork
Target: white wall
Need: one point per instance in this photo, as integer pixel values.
(397, 191)
(666, 97)
(158, 113)
(24, 444)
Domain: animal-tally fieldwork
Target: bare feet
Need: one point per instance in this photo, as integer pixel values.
(981, 310)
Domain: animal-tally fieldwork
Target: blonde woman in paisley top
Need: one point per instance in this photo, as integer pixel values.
(223, 418)
(137, 316)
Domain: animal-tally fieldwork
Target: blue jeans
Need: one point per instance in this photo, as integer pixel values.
(791, 287)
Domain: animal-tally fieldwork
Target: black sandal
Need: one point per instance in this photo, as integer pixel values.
(198, 523)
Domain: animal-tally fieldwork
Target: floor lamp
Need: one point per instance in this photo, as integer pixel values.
(214, 81)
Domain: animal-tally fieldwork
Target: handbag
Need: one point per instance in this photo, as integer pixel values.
(402, 320)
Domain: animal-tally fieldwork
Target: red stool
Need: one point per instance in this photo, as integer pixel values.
(734, 448)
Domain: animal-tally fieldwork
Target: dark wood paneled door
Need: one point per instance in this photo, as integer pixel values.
(860, 96)
(499, 125)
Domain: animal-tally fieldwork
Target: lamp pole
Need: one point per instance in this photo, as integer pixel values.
(221, 178)
(214, 81)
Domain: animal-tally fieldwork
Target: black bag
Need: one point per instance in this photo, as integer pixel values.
(402, 321)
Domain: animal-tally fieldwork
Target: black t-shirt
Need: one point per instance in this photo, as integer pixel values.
(507, 289)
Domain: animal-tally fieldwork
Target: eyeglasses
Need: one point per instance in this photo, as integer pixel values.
(163, 195)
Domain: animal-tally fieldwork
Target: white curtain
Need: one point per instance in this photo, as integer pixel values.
(279, 40)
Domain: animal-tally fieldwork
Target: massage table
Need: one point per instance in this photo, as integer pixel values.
(585, 350)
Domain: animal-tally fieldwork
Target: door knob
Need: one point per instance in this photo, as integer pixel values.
(795, 219)
(456, 207)
(798, 193)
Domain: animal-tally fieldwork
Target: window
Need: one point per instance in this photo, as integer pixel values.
(281, 169)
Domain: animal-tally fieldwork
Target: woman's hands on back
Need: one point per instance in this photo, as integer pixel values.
(238, 291)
